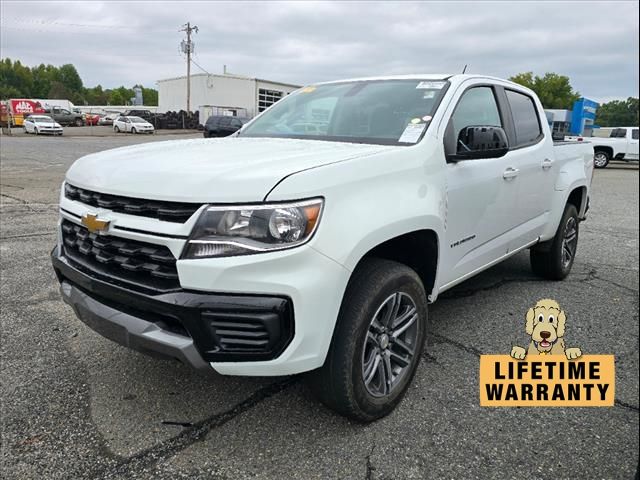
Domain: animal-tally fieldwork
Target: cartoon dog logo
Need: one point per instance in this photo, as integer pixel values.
(545, 324)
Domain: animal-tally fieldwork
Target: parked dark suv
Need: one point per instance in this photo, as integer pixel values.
(223, 126)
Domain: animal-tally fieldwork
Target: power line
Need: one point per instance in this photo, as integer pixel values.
(196, 64)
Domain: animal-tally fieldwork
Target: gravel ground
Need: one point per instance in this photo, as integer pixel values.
(75, 405)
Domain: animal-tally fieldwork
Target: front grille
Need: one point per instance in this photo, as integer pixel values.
(177, 212)
(119, 260)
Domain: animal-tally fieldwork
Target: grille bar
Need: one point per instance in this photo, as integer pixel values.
(139, 263)
(177, 212)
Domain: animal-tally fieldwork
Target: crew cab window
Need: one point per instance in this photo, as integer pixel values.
(525, 118)
(476, 107)
(618, 133)
(634, 134)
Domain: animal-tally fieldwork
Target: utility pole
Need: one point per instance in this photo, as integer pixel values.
(187, 47)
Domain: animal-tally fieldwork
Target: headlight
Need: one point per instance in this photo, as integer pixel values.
(243, 230)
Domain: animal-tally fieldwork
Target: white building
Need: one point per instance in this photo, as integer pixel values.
(227, 94)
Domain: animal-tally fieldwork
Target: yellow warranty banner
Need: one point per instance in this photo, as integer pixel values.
(547, 381)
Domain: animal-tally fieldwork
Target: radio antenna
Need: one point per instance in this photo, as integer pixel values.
(464, 69)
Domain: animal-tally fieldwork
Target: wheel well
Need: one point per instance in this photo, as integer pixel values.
(608, 150)
(417, 250)
(576, 197)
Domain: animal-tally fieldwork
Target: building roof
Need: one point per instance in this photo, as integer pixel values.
(236, 76)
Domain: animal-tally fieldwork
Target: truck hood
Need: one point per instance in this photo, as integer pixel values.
(232, 169)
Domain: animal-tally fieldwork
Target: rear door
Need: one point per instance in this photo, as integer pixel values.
(632, 152)
(532, 155)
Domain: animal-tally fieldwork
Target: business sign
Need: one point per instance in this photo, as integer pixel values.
(583, 116)
(23, 106)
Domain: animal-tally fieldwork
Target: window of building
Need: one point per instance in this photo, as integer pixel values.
(266, 98)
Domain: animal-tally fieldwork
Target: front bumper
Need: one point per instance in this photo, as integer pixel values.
(295, 295)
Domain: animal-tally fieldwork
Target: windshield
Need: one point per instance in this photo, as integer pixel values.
(137, 120)
(388, 112)
(42, 119)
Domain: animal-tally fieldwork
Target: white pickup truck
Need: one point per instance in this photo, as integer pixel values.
(621, 144)
(314, 239)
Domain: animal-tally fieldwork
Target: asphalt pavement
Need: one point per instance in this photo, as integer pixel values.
(77, 406)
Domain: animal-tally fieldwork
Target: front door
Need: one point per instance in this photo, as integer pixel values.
(481, 193)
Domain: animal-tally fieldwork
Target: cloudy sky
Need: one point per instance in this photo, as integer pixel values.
(115, 43)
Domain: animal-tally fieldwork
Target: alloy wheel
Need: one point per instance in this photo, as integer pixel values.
(390, 344)
(600, 159)
(569, 242)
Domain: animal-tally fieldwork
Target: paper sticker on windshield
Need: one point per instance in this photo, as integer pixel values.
(429, 94)
(412, 133)
(431, 85)
(308, 89)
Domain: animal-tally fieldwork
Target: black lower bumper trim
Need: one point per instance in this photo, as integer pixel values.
(223, 328)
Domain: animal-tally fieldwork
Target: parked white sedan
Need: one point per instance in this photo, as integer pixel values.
(41, 124)
(132, 124)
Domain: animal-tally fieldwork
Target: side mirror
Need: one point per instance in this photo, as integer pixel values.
(480, 142)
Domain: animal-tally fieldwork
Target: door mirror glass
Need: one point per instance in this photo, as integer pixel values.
(483, 141)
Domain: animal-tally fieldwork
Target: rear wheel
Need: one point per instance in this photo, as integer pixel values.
(377, 343)
(554, 259)
(601, 159)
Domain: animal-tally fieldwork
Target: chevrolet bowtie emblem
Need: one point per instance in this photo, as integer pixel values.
(93, 223)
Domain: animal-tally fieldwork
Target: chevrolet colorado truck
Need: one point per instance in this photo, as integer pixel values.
(621, 144)
(314, 239)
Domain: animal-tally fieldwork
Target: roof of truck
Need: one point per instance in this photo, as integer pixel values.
(422, 76)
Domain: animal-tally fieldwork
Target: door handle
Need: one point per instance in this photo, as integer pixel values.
(547, 163)
(510, 173)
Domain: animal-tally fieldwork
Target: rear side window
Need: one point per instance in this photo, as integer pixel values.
(634, 134)
(525, 118)
(618, 133)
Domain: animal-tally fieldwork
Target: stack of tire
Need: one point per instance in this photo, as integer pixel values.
(176, 120)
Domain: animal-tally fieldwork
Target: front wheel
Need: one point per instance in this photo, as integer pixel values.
(116, 129)
(377, 342)
(78, 122)
(553, 259)
(35, 130)
(134, 131)
(601, 159)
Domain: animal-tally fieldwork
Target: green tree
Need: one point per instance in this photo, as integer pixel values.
(64, 82)
(554, 90)
(618, 113)
(150, 96)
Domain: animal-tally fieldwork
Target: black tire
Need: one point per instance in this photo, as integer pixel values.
(133, 130)
(78, 122)
(549, 259)
(116, 129)
(601, 158)
(340, 382)
(35, 131)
